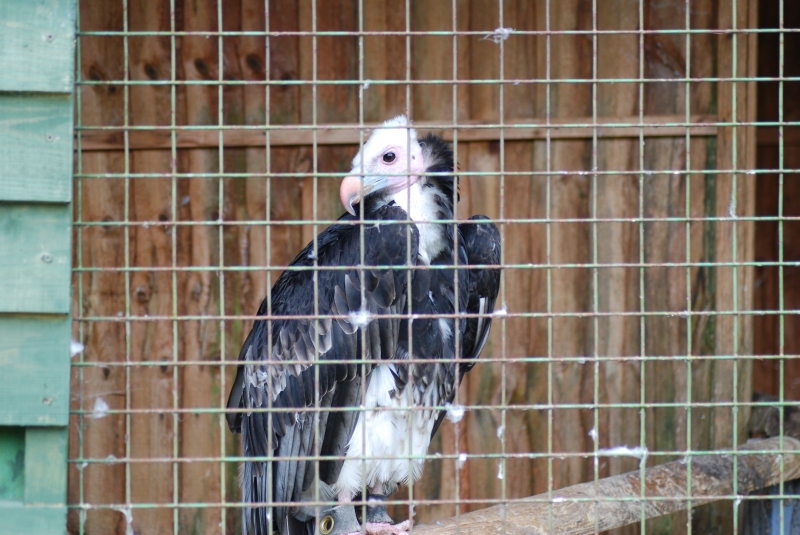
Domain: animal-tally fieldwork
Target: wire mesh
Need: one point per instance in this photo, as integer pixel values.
(638, 182)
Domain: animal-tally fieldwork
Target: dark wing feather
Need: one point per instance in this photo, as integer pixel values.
(433, 339)
(277, 357)
(481, 245)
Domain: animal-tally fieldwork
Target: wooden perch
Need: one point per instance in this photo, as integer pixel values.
(619, 504)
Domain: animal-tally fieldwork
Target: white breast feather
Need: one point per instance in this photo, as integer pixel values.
(386, 435)
(420, 205)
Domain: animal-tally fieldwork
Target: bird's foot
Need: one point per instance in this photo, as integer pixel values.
(385, 528)
(378, 521)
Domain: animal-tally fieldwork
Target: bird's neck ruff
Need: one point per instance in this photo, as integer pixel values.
(423, 204)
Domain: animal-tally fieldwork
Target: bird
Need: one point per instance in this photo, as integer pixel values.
(382, 314)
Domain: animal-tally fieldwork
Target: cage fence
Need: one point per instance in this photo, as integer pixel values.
(632, 153)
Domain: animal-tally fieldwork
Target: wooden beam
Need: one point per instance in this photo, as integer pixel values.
(348, 134)
(574, 511)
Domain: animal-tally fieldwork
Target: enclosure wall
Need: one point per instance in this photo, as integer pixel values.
(609, 140)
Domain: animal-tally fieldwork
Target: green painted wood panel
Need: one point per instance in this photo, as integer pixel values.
(34, 359)
(22, 520)
(35, 147)
(41, 506)
(46, 466)
(37, 45)
(35, 263)
(12, 464)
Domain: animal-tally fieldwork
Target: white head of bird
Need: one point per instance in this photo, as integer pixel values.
(390, 161)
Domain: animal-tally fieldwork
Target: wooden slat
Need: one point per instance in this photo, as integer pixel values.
(35, 264)
(569, 198)
(478, 431)
(37, 45)
(103, 293)
(381, 53)
(34, 357)
(734, 242)
(665, 195)
(12, 463)
(617, 243)
(199, 246)
(42, 508)
(336, 59)
(36, 520)
(35, 147)
(348, 134)
(46, 466)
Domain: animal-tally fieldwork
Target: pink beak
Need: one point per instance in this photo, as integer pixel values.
(350, 192)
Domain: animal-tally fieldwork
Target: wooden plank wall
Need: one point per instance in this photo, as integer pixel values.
(115, 344)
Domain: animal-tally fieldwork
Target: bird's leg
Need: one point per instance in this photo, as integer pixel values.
(378, 521)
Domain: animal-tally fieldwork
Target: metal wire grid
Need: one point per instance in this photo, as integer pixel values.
(228, 497)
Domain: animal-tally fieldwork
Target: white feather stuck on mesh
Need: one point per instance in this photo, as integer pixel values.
(100, 409)
(75, 347)
(455, 412)
(500, 34)
(624, 451)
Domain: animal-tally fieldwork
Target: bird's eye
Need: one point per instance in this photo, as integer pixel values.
(389, 157)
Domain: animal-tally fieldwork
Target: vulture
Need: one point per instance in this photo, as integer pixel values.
(365, 339)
